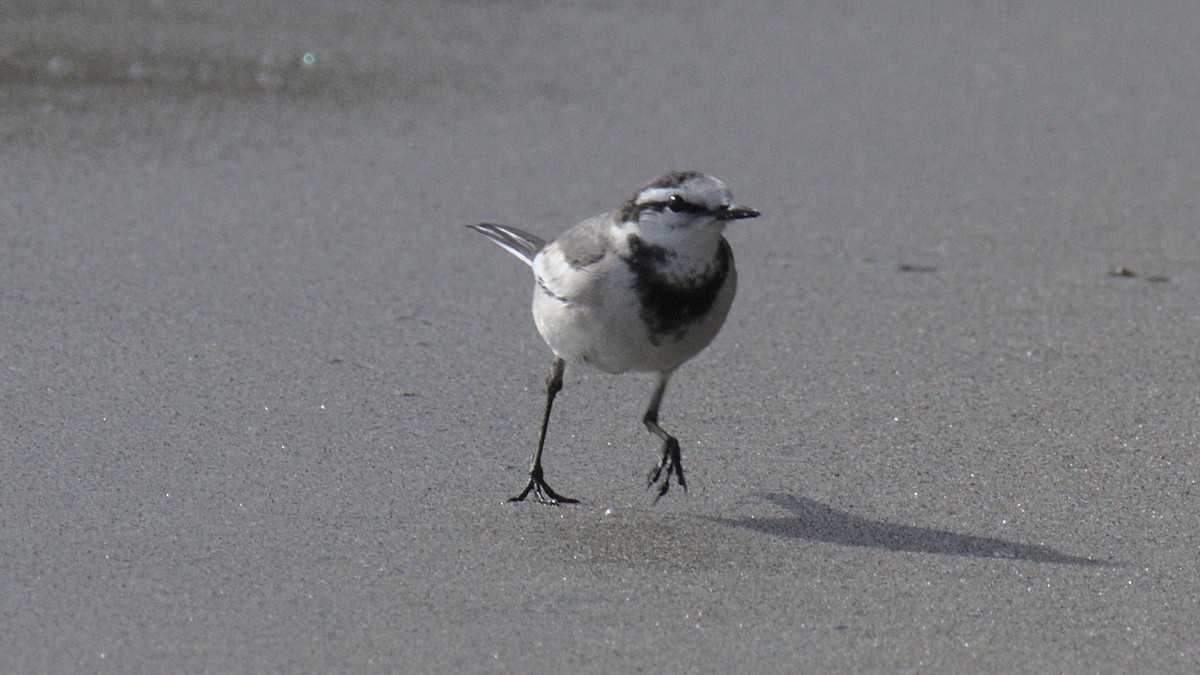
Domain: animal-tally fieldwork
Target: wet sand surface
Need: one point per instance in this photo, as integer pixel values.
(262, 396)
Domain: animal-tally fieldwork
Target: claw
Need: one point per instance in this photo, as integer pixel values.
(672, 462)
(541, 491)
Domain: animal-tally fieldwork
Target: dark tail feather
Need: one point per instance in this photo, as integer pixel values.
(517, 242)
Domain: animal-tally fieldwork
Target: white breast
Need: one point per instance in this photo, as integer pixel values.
(590, 314)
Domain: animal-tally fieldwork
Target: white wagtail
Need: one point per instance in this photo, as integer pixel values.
(642, 288)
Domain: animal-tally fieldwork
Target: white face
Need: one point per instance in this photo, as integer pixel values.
(681, 206)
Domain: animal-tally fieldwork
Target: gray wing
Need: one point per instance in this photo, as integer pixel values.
(586, 243)
(570, 268)
(516, 241)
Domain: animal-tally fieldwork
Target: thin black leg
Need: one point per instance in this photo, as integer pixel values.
(537, 483)
(671, 460)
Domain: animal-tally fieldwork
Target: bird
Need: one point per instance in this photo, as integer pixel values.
(642, 288)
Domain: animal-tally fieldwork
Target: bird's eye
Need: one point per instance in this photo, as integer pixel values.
(676, 203)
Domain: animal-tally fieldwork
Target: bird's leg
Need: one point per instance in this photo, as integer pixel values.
(671, 459)
(537, 483)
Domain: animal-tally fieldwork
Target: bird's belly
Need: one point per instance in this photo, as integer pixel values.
(615, 338)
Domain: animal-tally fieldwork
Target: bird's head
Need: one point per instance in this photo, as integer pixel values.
(679, 207)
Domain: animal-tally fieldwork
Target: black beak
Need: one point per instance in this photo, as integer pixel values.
(735, 212)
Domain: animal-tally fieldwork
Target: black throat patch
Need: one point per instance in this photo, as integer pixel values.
(668, 308)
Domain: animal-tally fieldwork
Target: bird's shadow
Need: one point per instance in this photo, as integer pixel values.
(814, 521)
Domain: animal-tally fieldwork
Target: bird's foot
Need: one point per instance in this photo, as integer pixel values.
(541, 491)
(673, 464)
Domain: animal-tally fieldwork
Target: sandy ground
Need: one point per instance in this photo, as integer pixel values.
(262, 396)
